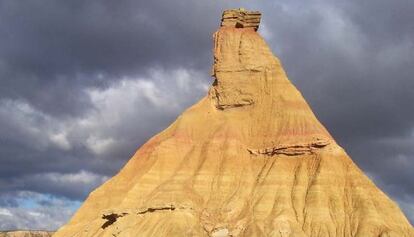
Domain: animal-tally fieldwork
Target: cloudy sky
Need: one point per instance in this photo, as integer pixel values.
(84, 83)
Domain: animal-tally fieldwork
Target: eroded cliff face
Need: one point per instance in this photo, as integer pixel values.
(249, 159)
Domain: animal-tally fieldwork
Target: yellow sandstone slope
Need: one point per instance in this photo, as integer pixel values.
(250, 159)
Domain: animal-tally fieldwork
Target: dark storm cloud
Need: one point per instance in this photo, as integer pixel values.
(39, 147)
(50, 50)
(84, 83)
(58, 37)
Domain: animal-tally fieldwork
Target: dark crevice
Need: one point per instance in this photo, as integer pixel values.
(291, 149)
(111, 218)
(153, 209)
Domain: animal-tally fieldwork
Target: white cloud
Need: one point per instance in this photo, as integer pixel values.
(129, 110)
(32, 127)
(21, 120)
(35, 214)
(99, 145)
(80, 178)
(5, 212)
(137, 104)
(140, 102)
(60, 140)
(44, 213)
(72, 185)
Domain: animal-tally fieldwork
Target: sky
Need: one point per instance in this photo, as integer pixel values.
(83, 84)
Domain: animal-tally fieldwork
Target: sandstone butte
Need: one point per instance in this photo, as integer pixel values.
(26, 233)
(249, 159)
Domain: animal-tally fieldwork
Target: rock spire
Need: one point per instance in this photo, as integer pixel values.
(249, 160)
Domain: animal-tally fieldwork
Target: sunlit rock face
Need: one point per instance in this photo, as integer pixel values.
(249, 159)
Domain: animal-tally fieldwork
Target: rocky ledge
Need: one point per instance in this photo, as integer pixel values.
(241, 18)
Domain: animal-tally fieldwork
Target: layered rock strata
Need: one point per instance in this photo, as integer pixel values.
(241, 18)
(250, 159)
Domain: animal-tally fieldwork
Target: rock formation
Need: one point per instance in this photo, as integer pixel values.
(250, 159)
(26, 233)
(241, 18)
